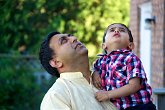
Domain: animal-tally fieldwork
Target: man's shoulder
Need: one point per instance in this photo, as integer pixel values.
(58, 88)
(54, 96)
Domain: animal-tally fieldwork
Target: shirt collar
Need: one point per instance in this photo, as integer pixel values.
(118, 51)
(71, 75)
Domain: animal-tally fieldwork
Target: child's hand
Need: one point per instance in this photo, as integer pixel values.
(102, 95)
(96, 80)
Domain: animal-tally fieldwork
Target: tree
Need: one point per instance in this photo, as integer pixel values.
(26, 22)
(19, 89)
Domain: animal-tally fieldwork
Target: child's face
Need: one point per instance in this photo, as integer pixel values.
(117, 37)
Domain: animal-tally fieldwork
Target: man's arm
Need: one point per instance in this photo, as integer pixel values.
(96, 79)
(131, 88)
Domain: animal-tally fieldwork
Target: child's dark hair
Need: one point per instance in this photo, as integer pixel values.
(129, 32)
(46, 53)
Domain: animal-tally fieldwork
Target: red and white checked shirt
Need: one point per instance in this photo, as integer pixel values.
(116, 69)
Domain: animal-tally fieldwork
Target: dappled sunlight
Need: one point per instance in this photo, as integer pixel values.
(91, 50)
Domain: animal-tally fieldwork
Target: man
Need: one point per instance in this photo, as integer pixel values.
(63, 55)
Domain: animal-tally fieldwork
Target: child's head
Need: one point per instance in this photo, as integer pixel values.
(117, 36)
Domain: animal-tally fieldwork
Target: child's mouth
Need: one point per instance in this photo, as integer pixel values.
(116, 35)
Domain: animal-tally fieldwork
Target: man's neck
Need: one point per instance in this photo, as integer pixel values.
(78, 66)
(84, 69)
(86, 74)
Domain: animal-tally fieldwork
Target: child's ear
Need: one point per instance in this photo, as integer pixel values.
(131, 46)
(104, 47)
(55, 63)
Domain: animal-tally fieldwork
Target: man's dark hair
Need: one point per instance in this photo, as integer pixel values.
(129, 32)
(46, 53)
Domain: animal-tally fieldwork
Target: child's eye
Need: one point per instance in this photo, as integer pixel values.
(111, 30)
(122, 30)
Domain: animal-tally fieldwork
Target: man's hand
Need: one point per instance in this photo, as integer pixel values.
(96, 80)
(102, 95)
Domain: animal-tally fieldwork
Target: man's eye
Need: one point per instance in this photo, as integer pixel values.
(64, 40)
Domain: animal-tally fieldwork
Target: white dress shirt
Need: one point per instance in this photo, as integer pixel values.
(73, 92)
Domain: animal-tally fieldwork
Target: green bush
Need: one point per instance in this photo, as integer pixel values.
(18, 87)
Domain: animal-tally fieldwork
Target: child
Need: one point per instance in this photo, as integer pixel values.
(120, 72)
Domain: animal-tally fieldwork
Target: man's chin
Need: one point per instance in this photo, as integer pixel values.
(85, 52)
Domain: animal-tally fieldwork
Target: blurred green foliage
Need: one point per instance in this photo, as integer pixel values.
(25, 23)
(19, 87)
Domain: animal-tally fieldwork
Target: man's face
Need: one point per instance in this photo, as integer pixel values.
(67, 48)
(117, 35)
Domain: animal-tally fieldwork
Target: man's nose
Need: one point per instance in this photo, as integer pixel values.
(73, 39)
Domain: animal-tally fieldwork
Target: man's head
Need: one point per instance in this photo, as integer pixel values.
(117, 34)
(46, 54)
(59, 52)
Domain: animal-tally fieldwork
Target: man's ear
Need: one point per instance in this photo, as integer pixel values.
(55, 63)
(131, 46)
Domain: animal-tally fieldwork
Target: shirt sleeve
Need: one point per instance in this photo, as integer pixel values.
(55, 101)
(135, 68)
(97, 65)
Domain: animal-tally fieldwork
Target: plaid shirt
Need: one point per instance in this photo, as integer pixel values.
(116, 69)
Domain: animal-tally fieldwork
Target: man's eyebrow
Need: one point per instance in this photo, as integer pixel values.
(70, 35)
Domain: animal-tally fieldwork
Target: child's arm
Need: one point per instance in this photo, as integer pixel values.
(96, 79)
(131, 88)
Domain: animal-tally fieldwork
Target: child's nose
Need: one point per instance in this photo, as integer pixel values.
(116, 30)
